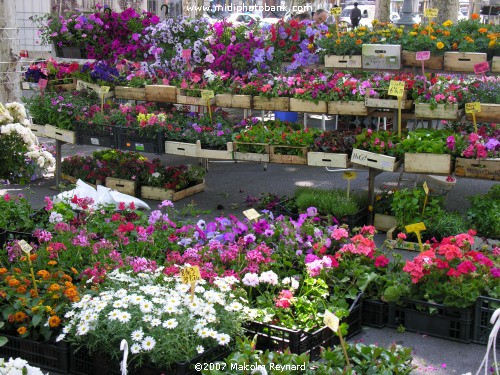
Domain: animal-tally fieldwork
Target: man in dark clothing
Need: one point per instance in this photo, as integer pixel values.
(355, 16)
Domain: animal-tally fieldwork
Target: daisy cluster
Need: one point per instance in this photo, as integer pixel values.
(158, 316)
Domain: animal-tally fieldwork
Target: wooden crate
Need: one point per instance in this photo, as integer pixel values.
(38, 130)
(161, 194)
(67, 136)
(383, 222)
(73, 180)
(123, 186)
(373, 160)
(62, 84)
(275, 157)
(434, 62)
(489, 113)
(348, 108)
(495, 64)
(343, 62)
(400, 245)
(462, 61)
(181, 148)
(251, 156)
(183, 98)
(307, 106)
(381, 56)
(82, 85)
(130, 93)
(441, 112)
(271, 104)
(488, 169)
(388, 103)
(233, 101)
(428, 163)
(161, 93)
(216, 154)
(327, 159)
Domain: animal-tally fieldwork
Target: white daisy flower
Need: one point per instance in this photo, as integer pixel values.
(147, 318)
(223, 338)
(148, 343)
(155, 322)
(170, 324)
(113, 314)
(83, 329)
(146, 306)
(200, 349)
(135, 348)
(137, 335)
(204, 333)
(124, 317)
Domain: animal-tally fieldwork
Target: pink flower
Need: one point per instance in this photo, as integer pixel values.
(339, 233)
(401, 236)
(6, 197)
(381, 261)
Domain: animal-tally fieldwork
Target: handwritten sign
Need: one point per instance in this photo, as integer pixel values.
(190, 274)
(426, 188)
(473, 107)
(331, 321)
(251, 214)
(431, 12)
(186, 54)
(42, 84)
(207, 94)
(349, 175)
(414, 228)
(396, 88)
(335, 11)
(25, 246)
(482, 67)
(104, 89)
(423, 55)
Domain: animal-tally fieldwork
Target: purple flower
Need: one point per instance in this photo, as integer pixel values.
(495, 272)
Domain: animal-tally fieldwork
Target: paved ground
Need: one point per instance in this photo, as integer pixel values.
(228, 184)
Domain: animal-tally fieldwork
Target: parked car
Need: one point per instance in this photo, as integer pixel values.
(243, 18)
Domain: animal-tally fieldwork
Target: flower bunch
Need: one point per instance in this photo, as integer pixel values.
(18, 366)
(433, 141)
(447, 90)
(481, 145)
(151, 311)
(100, 72)
(428, 37)
(338, 141)
(347, 87)
(453, 274)
(472, 35)
(345, 43)
(16, 213)
(380, 142)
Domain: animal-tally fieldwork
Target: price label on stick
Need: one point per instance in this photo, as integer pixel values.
(349, 175)
(190, 274)
(207, 94)
(251, 214)
(426, 188)
(104, 89)
(335, 11)
(331, 321)
(482, 67)
(431, 12)
(396, 88)
(25, 246)
(423, 55)
(186, 54)
(416, 228)
(473, 107)
(42, 83)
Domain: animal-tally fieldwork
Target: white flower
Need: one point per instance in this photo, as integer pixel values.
(234, 306)
(250, 279)
(170, 324)
(200, 349)
(135, 348)
(137, 335)
(223, 338)
(124, 317)
(55, 217)
(204, 333)
(155, 322)
(148, 343)
(113, 314)
(82, 329)
(269, 277)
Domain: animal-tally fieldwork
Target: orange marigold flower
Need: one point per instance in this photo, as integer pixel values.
(33, 257)
(3, 294)
(66, 278)
(359, 41)
(454, 45)
(68, 284)
(51, 262)
(74, 270)
(14, 282)
(34, 293)
(433, 37)
(469, 39)
(17, 270)
(446, 33)
(53, 287)
(20, 316)
(70, 292)
(21, 289)
(482, 30)
(22, 330)
(54, 321)
(3, 270)
(475, 16)
(43, 274)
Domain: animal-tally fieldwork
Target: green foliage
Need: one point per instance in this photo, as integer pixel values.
(430, 141)
(329, 202)
(13, 165)
(408, 204)
(445, 224)
(483, 213)
(17, 214)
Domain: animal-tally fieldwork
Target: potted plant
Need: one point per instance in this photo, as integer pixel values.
(342, 49)
(384, 218)
(332, 149)
(377, 149)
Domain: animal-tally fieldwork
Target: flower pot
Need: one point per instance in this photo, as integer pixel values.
(327, 159)
(489, 113)
(433, 319)
(96, 135)
(373, 160)
(355, 220)
(48, 355)
(343, 62)
(441, 112)
(383, 222)
(130, 139)
(434, 62)
(286, 116)
(488, 169)
(463, 61)
(484, 310)
(428, 163)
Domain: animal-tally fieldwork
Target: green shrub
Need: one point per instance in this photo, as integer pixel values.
(483, 214)
(329, 202)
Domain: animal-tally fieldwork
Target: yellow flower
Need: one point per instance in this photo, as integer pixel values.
(361, 34)
(469, 39)
(440, 45)
(447, 23)
(482, 30)
(310, 46)
(492, 43)
(413, 33)
(328, 35)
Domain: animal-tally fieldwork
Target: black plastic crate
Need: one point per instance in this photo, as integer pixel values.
(297, 341)
(355, 317)
(96, 135)
(2, 237)
(47, 355)
(83, 363)
(135, 140)
(433, 319)
(11, 235)
(356, 220)
(374, 313)
(71, 52)
(485, 307)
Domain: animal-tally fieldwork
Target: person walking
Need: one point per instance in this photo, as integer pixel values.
(355, 16)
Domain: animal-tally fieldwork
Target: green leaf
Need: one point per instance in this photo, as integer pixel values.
(36, 320)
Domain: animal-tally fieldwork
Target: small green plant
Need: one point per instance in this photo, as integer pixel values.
(329, 202)
(483, 213)
(408, 206)
(446, 224)
(401, 329)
